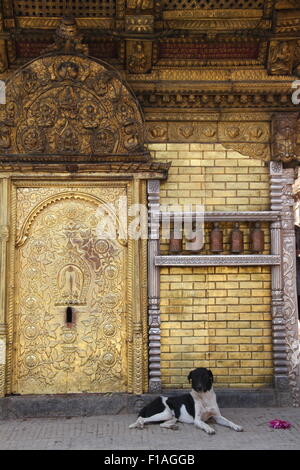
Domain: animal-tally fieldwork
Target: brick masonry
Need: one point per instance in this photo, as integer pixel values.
(216, 317)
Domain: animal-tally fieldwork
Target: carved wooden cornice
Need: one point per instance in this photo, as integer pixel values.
(52, 23)
(214, 100)
(288, 21)
(215, 20)
(149, 170)
(254, 34)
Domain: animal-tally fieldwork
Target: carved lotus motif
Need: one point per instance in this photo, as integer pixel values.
(158, 132)
(209, 131)
(233, 132)
(186, 131)
(256, 132)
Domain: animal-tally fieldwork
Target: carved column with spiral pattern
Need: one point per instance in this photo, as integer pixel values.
(153, 287)
(290, 307)
(4, 236)
(278, 322)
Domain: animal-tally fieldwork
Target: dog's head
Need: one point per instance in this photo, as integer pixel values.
(202, 379)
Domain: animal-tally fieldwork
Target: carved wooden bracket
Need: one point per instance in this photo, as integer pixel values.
(284, 136)
(139, 20)
(281, 57)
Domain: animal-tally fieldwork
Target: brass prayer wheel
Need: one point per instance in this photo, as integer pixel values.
(237, 239)
(257, 239)
(216, 239)
(175, 242)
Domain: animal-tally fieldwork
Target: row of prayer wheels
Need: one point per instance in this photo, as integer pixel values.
(236, 240)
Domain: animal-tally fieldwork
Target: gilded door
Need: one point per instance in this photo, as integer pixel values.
(70, 311)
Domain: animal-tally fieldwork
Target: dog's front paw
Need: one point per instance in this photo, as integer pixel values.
(139, 424)
(209, 430)
(238, 428)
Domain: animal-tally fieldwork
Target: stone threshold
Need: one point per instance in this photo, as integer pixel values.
(94, 404)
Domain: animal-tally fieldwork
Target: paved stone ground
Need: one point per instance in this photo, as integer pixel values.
(110, 432)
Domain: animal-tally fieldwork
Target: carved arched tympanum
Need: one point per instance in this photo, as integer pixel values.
(69, 107)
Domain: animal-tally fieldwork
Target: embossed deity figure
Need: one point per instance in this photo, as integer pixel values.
(137, 62)
(281, 57)
(70, 282)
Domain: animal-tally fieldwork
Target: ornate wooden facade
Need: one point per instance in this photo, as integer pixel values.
(106, 101)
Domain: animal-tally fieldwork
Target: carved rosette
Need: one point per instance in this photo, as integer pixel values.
(65, 106)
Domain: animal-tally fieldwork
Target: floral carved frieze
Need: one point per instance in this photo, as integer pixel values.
(249, 138)
(69, 105)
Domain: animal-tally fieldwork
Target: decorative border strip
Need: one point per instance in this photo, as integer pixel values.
(217, 260)
(265, 216)
(227, 13)
(52, 23)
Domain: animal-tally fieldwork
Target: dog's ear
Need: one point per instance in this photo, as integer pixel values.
(211, 374)
(190, 376)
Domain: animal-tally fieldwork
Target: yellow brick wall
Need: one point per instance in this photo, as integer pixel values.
(216, 317)
(211, 175)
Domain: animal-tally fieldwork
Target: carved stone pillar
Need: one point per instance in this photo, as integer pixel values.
(278, 321)
(4, 236)
(154, 286)
(290, 308)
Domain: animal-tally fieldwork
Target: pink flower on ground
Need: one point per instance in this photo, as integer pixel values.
(279, 424)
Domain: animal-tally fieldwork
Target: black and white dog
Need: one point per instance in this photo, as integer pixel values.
(195, 407)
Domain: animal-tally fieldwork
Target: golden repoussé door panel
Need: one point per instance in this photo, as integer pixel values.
(70, 319)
